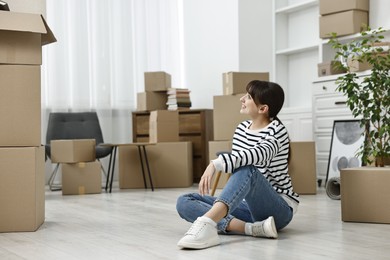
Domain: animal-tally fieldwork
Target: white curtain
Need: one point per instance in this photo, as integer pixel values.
(103, 49)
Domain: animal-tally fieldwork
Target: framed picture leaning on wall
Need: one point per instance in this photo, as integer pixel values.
(347, 138)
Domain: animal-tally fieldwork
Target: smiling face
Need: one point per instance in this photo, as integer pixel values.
(249, 107)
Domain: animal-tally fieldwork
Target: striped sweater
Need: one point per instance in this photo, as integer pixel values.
(268, 150)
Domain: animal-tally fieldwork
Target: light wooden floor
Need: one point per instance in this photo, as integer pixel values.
(140, 224)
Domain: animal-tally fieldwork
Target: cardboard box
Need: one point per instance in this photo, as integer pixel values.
(20, 105)
(329, 68)
(227, 116)
(236, 82)
(148, 101)
(81, 178)
(157, 81)
(355, 66)
(163, 126)
(22, 188)
(22, 35)
(73, 151)
(344, 23)
(336, 6)
(302, 167)
(365, 194)
(219, 146)
(170, 166)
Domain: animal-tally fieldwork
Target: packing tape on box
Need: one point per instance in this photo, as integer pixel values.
(81, 190)
(333, 188)
(81, 164)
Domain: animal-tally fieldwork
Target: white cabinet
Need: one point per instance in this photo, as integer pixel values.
(296, 49)
(328, 105)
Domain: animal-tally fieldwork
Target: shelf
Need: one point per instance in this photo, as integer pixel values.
(296, 7)
(296, 50)
(353, 36)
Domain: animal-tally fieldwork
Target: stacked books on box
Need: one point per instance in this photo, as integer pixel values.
(178, 99)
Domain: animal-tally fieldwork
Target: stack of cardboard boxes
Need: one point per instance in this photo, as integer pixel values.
(170, 161)
(343, 17)
(155, 95)
(81, 172)
(22, 158)
(227, 111)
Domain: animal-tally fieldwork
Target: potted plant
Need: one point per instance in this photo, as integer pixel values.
(364, 190)
(368, 96)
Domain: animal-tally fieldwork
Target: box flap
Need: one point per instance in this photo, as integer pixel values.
(26, 22)
(49, 36)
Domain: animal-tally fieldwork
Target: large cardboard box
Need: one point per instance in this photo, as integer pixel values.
(227, 116)
(214, 148)
(22, 188)
(344, 23)
(336, 6)
(81, 178)
(73, 151)
(170, 166)
(148, 101)
(20, 105)
(157, 81)
(163, 126)
(302, 167)
(365, 194)
(236, 82)
(21, 38)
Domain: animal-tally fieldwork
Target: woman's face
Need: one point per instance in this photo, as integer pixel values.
(248, 105)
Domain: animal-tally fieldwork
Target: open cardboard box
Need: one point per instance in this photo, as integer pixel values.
(22, 37)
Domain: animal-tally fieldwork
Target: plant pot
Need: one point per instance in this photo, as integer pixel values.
(365, 194)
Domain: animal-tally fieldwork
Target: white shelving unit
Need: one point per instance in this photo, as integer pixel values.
(296, 48)
(329, 105)
(297, 51)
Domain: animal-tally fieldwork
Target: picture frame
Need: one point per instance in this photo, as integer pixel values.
(347, 138)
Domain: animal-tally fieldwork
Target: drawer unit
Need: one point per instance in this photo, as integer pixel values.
(195, 125)
(190, 123)
(328, 105)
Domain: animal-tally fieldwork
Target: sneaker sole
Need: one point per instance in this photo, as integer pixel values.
(198, 245)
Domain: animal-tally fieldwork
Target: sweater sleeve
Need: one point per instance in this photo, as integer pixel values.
(260, 154)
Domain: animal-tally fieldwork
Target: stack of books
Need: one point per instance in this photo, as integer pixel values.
(178, 99)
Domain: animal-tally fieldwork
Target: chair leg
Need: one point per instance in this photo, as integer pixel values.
(52, 178)
(215, 184)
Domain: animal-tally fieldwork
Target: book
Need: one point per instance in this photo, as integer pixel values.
(178, 98)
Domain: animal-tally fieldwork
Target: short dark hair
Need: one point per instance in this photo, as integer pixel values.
(267, 93)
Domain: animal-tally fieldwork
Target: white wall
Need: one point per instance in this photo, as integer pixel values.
(255, 35)
(379, 14)
(221, 36)
(210, 47)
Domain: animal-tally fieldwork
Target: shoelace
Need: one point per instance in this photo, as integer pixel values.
(259, 230)
(196, 227)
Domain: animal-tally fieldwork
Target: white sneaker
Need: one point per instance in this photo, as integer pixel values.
(201, 234)
(265, 228)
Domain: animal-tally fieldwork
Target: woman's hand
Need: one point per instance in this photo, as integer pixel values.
(205, 181)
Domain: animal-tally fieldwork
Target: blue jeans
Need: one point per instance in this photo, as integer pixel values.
(261, 201)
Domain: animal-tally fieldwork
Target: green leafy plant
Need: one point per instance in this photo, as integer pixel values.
(368, 96)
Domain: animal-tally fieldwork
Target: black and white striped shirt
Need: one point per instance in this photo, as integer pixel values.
(268, 150)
